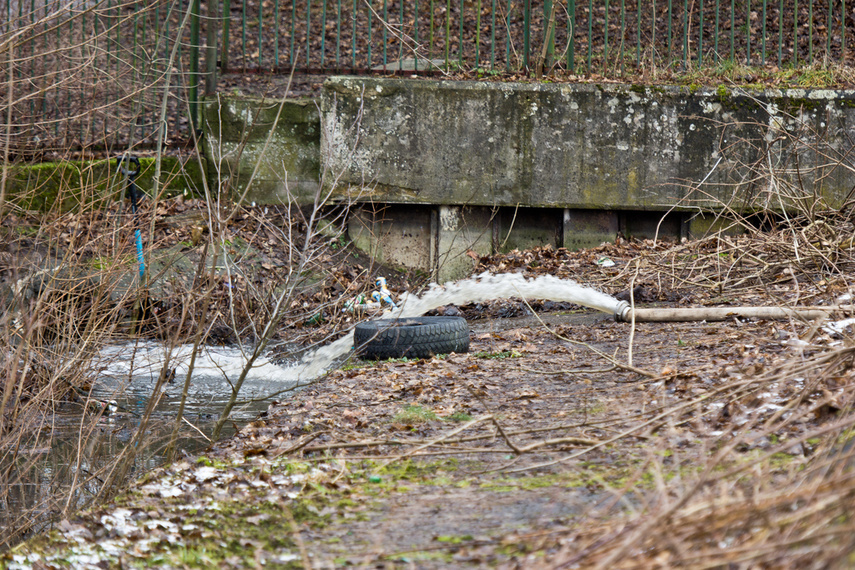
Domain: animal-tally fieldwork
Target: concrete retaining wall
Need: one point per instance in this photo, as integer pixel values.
(579, 145)
(65, 186)
(450, 170)
(269, 149)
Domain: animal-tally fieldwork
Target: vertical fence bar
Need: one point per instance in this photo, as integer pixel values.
(323, 33)
(548, 35)
(460, 45)
(292, 61)
(431, 32)
(385, 36)
(211, 47)
(260, 32)
(828, 31)
(606, 36)
(478, 35)
(571, 35)
(508, 37)
(732, 31)
(448, 29)
(670, 33)
(622, 32)
(84, 126)
(33, 55)
(227, 22)
(590, 33)
(275, 34)
(763, 41)
(353, 35)
(810, 31)
(194, 63)
(780, 33)
(795, 32)
(242, 35)
(118, 16)
(45, 110)
(370, 25)
(308, 32)
(701, 34)
(843, 32)
(416, 35)
(526, 32)
(401, 41)
(685, 33)
(748, 32)
(715, 33)
(493, 39)
(638, 32)
(338, 35)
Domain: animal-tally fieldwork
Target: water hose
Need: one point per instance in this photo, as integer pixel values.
(624, 313)
(133, 193)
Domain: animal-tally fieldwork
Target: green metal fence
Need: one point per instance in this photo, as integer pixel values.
(92, 74)
(610, 37)
(96, 73)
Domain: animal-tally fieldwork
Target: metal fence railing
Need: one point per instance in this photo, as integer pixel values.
(496, 36)
(97, 73)
(94, 74)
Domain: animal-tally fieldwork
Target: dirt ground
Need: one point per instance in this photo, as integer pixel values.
(561, 439)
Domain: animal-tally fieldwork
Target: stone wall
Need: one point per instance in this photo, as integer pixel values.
(582, 145)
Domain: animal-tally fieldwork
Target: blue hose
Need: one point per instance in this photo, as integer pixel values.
(133, 193)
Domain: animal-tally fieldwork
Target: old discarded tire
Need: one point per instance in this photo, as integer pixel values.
(420, 337)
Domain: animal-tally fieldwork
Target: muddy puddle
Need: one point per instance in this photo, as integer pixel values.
(54, 461)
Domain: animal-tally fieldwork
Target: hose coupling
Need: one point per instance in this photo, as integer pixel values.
(622, 310)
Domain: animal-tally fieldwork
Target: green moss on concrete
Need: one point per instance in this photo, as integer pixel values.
(69, 185)
(273, 144)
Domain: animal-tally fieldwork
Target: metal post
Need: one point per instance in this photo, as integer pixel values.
(227, 21)
(211, 48)
(193, 91)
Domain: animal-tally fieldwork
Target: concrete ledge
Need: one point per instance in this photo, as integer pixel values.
(582, 146)
(277, 140)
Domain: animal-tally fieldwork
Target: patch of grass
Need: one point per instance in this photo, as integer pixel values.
(452, 539)
(414, 415)
(459, 417)
(27, 231)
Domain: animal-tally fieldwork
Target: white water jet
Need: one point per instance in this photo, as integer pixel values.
(489, 287)
(216, 367)
(484, 287)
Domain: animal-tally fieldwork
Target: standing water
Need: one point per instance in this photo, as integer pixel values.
(129, 374)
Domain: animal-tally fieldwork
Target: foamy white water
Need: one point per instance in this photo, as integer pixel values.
(483, 287)
(216, 367)
(488, 287)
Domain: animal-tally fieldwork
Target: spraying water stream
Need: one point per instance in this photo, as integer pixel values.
(484, 287)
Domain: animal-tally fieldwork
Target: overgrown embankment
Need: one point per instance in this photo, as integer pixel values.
(574, 440)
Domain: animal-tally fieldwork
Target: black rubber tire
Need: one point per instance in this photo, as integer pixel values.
(420, 337)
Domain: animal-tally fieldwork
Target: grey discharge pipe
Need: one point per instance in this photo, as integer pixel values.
(624, 313)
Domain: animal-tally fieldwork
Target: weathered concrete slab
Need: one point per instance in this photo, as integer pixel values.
(580, 145)
(396, 235)
(270, 149)
(445, 171)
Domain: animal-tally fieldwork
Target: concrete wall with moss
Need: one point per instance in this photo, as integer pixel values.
(265, 150)
(65, 185)
(583, 145)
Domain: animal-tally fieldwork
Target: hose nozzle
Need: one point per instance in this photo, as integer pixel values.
(622, 311)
